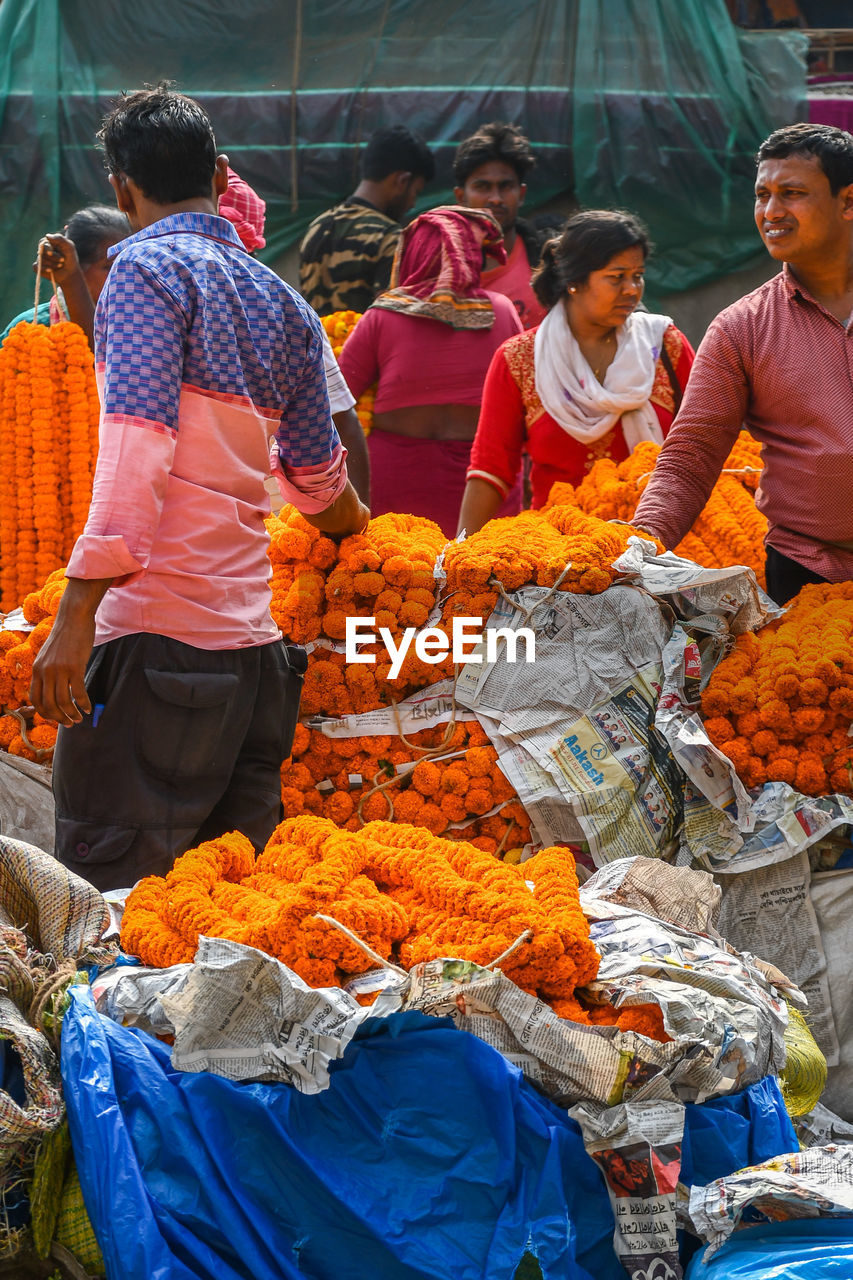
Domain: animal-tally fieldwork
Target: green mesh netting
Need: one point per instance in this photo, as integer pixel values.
(653, 104)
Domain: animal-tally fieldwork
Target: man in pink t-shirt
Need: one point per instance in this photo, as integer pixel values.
(490, 168)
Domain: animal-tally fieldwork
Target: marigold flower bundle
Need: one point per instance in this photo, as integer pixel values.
(17, 653)
(560, 543)
(462, 792)
(729, 530)
(47, 395)
(780, 706)
(405, 892)
(339, 325)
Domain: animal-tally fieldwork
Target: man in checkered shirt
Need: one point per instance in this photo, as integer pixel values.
(174, 726)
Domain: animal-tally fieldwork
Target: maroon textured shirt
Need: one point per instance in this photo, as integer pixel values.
(780, 364)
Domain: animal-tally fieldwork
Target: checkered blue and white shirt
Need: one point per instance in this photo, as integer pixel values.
(203, 357)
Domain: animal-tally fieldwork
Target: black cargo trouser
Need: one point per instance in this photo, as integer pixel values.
(182, 745)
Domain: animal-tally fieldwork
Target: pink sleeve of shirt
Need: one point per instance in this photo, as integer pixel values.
(144, 329)
(701, 438)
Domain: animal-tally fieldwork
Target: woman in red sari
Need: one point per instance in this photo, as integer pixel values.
(428, 341)
(592, 381)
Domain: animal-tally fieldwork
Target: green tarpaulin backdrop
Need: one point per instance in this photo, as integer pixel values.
(653, 105)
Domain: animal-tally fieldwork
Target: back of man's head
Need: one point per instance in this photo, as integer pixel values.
(396, 150)
(494, 141)
(163, 141)
(831, 147)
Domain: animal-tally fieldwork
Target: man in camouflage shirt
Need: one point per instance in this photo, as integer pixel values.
(345, 258)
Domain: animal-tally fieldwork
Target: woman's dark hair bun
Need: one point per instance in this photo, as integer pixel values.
(588, 242)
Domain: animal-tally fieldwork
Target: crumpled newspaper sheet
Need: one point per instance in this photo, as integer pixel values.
(816, 1183)
(243, 1014)
(637, 1146)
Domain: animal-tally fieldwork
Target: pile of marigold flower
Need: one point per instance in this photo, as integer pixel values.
(48, 445)
(729, 530)
(339, 325)
(780, 706)
(459, 791)
(385, 573)
(560, 544)
(407, 894)
(34, 741)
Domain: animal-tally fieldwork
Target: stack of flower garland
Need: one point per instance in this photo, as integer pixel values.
(729, 530)
(48, 446)
(339, 325)
(559, 546)
(18, 649)
(459, 791)
(780, 706)
(407, 894)
(385, 573)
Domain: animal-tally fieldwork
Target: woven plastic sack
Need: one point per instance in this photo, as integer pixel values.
(62, 915)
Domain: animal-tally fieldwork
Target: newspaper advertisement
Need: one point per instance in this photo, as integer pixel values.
(242, 1014)
(573, 729)
(815, 1183)
(637, 1146)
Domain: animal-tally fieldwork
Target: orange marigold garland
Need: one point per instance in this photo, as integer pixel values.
(780, 706)
(48, 443)
(729, 530)
(408, 894)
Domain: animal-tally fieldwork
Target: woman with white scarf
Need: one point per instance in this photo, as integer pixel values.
(595, 378)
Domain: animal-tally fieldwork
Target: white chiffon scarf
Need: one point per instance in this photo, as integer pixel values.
(574, 397)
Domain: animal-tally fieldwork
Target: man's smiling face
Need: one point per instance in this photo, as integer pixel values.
(798, 217)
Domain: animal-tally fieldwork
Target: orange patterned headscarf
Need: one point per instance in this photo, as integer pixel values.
(438, 264)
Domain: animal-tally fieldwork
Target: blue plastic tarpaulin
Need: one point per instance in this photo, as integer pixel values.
(429, 1156)
(817, 1250)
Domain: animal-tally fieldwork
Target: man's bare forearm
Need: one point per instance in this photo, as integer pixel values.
(58, 689)
(346, 515)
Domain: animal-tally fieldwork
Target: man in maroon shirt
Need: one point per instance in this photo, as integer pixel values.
(780, 363)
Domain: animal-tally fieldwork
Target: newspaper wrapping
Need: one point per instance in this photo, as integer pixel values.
(637, 1146)
(756, 844)
(816, 1183)
(242, 1014)
(575, 731)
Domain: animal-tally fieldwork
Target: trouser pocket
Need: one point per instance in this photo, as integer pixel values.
(182, 724)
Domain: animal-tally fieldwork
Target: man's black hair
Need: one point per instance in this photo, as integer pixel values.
(396, 150)
(831, 147)
(163, 141)
(495, 141)
(90, 228)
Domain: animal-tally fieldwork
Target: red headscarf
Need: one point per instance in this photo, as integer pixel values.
(245, 208)
(437, 267)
